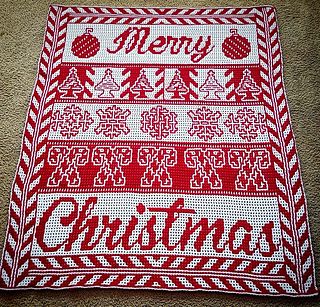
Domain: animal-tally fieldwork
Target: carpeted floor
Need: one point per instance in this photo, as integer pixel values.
(22, 25)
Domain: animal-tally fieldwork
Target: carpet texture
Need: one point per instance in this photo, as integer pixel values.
(20, 40)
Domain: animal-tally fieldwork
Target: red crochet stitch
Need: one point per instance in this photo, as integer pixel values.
(158, 153)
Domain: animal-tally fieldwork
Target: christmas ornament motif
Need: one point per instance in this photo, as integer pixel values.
(85, 45)
(107, 85)
(236, 46)
(71, 85)
(176, 171)
(212, 87)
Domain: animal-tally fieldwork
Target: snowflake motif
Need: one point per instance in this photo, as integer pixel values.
(246, 123)
(159, 122)
(112, 122)
(205, 123)
(71, 121)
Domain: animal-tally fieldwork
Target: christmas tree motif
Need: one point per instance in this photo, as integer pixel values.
(211, 86)
(177, 86)
(71, 85)
(107, 85)
(142, 86)
(247, 87)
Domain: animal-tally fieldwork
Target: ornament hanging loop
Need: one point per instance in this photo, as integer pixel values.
(234, 31)
(88, 30)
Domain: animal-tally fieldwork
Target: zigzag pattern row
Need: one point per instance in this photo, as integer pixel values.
(206, 264)
(158, 281)
(162, 12)
(153, 21)
(164, 16)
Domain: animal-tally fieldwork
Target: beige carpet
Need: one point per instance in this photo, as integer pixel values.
(22, 24)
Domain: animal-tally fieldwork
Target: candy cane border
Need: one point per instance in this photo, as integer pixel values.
(23, 205)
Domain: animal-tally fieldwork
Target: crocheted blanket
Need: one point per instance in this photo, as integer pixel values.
(158, 153)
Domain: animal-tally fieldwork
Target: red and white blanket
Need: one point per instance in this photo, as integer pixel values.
(158, 153)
